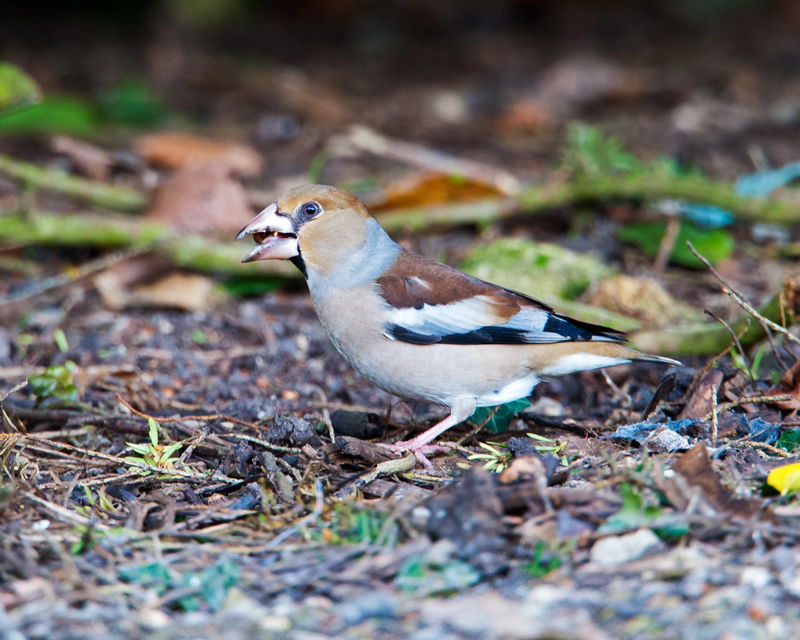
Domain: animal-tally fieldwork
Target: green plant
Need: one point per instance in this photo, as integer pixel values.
(348, 523)
(56, 382)
(496, 459)
(740, 362)
(546, 558)
(550, 446)
(153, 454)
(208, 587)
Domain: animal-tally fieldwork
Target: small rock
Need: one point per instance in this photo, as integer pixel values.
(545, 406)
(664, 440)
(756, 577)
(616, 550)
(376, 604)
(291, 431)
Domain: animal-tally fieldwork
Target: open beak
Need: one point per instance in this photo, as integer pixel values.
(274, 235)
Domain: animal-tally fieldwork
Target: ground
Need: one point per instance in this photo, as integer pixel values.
(254, 502)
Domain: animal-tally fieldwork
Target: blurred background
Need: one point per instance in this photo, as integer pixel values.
(701, 81)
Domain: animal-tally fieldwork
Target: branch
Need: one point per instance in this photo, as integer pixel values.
(103, 195)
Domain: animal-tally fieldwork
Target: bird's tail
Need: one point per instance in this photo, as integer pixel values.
(562, 358)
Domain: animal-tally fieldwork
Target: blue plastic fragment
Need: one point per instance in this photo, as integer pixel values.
(706, 215)
(640, 430)
(762, 183)
(703, 215)
(760, 431)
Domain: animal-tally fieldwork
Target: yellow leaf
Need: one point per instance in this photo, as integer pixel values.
(785, 478)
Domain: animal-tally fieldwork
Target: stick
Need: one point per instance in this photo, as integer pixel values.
(116, 198)
(373, 142)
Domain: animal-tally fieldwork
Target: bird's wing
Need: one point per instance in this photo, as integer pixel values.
(429, 303)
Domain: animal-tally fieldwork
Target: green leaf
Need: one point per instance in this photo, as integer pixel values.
(132, 103)
(505, 413)
(153, 431)
(715, 245)
(154, 575)
(634, 513)
(169, 450)
(61, 340)
(56, 382)
(789, 441)
(142, 449)
(54, 114)
(588, 151)
(546, 271)
(245, 287)
(17, 89)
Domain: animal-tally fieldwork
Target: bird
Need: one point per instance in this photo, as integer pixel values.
(420, 329)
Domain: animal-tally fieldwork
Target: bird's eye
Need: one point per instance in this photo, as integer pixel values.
(310, 209)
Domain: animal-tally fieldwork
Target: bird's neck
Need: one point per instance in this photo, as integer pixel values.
(356, 267)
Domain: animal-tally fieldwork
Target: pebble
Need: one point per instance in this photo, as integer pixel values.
(616, 550)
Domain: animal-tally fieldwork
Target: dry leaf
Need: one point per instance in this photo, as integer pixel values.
(201, 198)
(699, 405)
(427, 189)
(696, 469)
(641, 298)
(184, 291)
(93, 161)
(179, 151)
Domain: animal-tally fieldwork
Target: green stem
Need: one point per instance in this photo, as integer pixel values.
(706, 339)
(192, 251)
(116, 198)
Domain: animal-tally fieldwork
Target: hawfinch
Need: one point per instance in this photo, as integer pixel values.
(417, 328)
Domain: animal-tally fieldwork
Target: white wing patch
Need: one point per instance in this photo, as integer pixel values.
(464, 316)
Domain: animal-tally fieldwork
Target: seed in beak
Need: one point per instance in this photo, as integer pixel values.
(261, 236)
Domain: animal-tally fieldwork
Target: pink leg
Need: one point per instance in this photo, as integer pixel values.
(421, 444)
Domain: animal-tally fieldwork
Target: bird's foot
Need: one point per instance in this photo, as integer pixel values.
(418, 448)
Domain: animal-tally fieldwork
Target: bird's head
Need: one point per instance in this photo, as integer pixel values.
(320, 224)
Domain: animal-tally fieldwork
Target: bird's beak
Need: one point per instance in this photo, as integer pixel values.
(274, 235)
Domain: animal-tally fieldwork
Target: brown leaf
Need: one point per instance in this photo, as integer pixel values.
(695, 468)
(427, 189)
(699, 405)
(789, 384)
(184, 291)
(201, 198)
(93, 161)
(641, 298)
(179, 151)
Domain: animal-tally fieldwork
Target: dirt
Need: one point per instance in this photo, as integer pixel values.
(639, 508)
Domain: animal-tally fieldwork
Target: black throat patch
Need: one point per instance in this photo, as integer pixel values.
(298, 262)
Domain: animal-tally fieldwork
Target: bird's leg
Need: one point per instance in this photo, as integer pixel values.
(421, 444)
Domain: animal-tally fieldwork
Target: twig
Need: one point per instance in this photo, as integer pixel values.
(714, 417)
(49, 284)
(738, 299)
(667, 244)
(62, 513)
(704, 338)
(189, 475)
(201, 418)
(13, 390)
(373, 142)
(263, 443)
(613, 386)
(116, 198)
(754, 444)
(725, 406)
(395, 465)
(736, 341)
